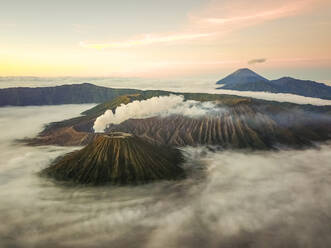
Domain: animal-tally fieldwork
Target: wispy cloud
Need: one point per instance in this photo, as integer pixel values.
(147, 39)
(259, 14)
(256, 61)
(216, 19)
(228, 15)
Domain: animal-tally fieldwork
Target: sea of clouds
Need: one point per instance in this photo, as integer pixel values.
(229, 199)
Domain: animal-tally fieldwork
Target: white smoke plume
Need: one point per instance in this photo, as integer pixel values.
(155, 106)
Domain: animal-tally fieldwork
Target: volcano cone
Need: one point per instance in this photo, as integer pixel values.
(118, 158)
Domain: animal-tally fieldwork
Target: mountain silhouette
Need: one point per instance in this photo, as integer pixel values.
(247, 80)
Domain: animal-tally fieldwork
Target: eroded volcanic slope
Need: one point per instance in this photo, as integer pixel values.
(118, 158)
(247, 123)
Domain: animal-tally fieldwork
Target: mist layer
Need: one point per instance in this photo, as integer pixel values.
(229, 199)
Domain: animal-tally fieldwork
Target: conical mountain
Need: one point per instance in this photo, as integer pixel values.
(118, 158)
(242, 76)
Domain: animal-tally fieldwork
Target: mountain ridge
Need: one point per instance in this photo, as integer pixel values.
(63, 94)
(247, 80)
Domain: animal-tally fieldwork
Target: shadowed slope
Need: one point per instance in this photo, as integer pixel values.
(118, 158)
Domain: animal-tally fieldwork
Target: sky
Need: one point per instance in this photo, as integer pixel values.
(161, 39)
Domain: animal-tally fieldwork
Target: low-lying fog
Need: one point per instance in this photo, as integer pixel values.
(230, 199)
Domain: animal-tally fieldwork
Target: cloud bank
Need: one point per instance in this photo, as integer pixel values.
(229, 199)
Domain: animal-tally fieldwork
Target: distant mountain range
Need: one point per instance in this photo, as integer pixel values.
(247, 80)
(64, 94)
(78, 94)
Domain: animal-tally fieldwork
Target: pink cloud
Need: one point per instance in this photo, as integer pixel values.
(148, 39)
(216, 19)
(231, 15)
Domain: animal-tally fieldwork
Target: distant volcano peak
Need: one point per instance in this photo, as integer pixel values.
(242, 76)
(244, 70)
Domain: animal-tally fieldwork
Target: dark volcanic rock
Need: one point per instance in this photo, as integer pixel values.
(118, 158)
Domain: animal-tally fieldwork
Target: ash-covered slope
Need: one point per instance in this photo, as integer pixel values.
(118, 158)
(241, 127)
(226, 129)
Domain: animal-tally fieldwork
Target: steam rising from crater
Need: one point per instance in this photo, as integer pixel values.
(155, 106)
